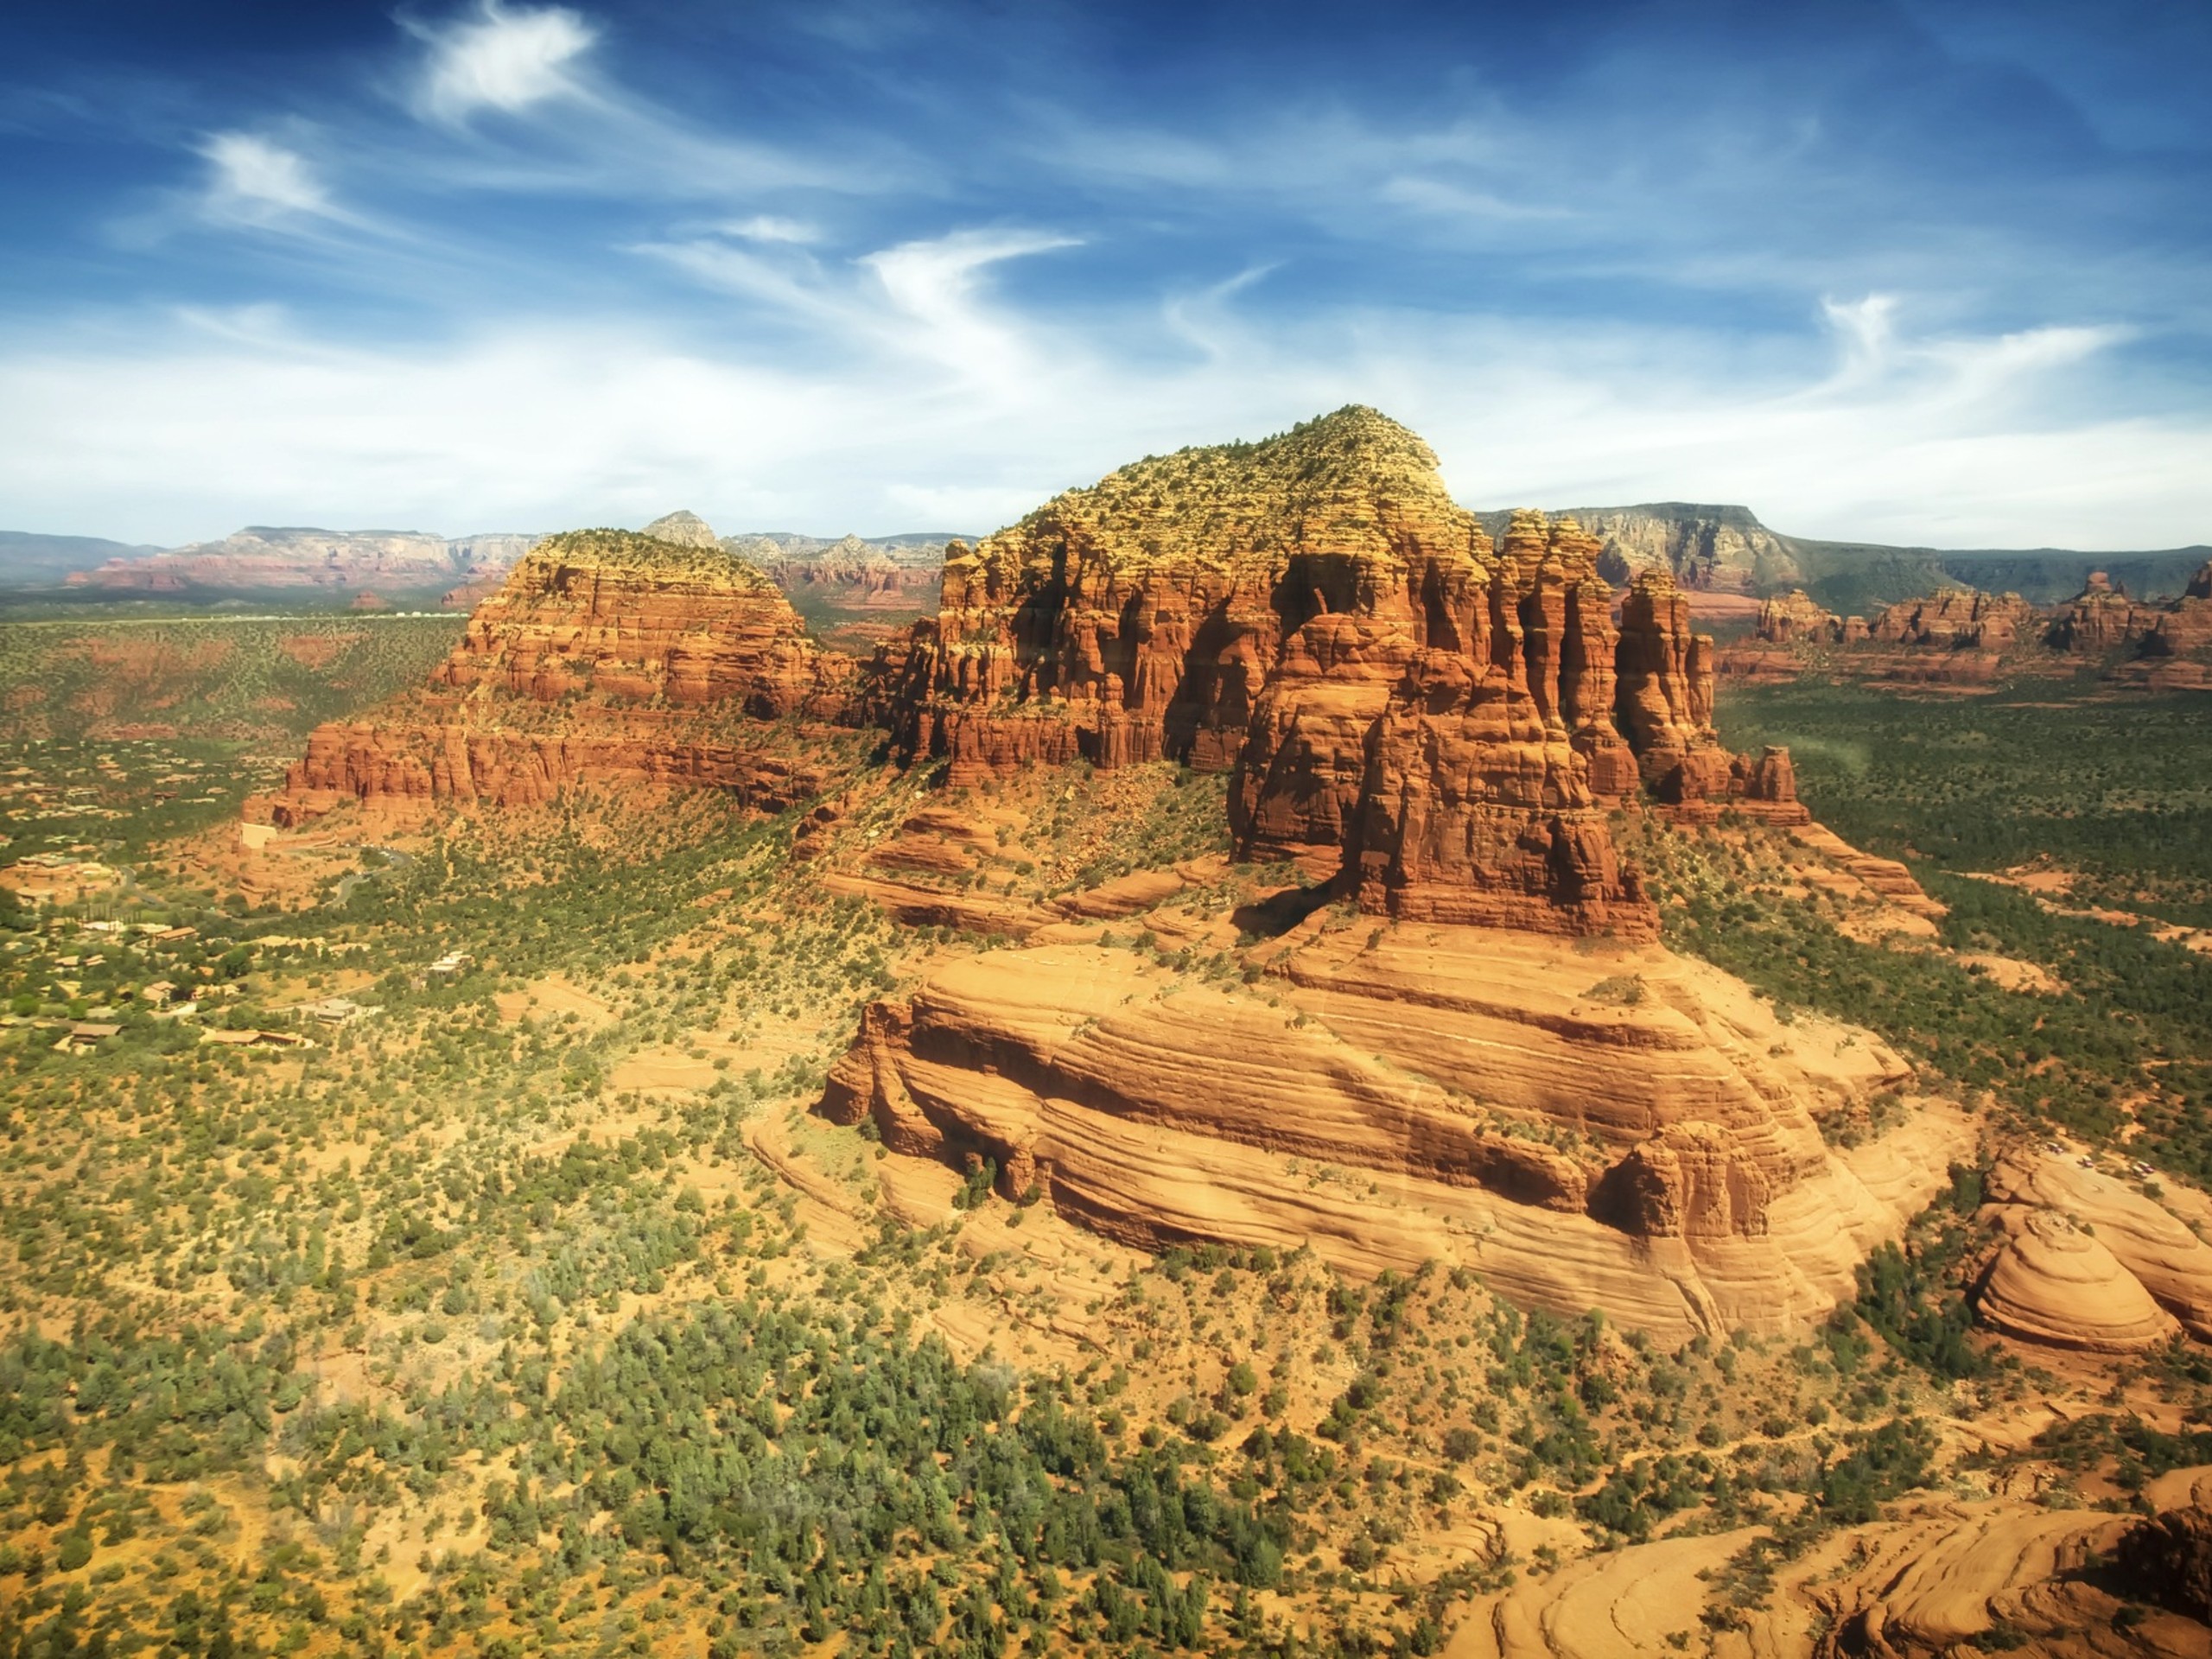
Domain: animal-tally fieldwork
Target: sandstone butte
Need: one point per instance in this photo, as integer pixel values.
(1450, 716)
(1600, 1125)
(1961, 635)
(607, 658)
(1500, 1067)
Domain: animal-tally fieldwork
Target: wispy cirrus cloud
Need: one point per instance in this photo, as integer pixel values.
(1878, 286)
(935, 287)
(500, 59)
(929, 300)
(768, 228)
(1958, 438)
(252, 180)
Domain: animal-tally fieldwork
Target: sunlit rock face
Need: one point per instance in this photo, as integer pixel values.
(607, 657)
(1605, 1126)
(1452, 715)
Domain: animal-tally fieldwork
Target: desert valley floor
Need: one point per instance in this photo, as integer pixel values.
(1281, 1073)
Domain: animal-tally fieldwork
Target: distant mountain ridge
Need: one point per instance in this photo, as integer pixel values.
(913, 549)
(273, 560)
(1710, 548)
(273, 557)
(28, 554)
(1725, 549)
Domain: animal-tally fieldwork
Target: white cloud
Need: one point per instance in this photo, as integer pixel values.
(1865, 327)
(207, 423)
(256, 180)
(767, 228)
(936, 286)
(1457, 201)
(501, 60)
(926, 300)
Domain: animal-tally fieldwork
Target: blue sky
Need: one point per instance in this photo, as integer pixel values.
(1925, 272)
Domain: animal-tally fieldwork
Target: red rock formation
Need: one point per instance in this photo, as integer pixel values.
(2184, 626)
(1959, 620)
(1645, 1144)
(1795, 618)
(610, 614)
(423, 752)
(1666, 693)
(1692, 1180)
(607, 657)
(2100, 618)
(1145, 613)
(1453, 716)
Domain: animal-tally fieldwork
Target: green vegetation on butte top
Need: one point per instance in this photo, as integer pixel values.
(1337, 482)
(617, 552)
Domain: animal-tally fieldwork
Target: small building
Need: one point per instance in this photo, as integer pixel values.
(452, 965)
(338, 1010)
(86, 1033)
(160, 994)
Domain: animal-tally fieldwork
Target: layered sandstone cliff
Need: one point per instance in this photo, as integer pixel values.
(2101, 617)
(1452, 718)
(2185, 628)
(2162, 647)
(1959, 620)
(607, 658)
(1795, 617)
(2146, 1273)
(629, 618)
(1622, 1129)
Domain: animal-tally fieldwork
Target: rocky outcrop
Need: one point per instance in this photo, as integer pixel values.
(1717, 549)
(2185, 628)
(425, 753)
(2155, 1250)
(857, 574)
(1795, 618)
(682, 527)
(1610, 1127)
(1947, 1577)
(1451, 715)
(2167, 1559)
(1147, 611)
(1886, 878)
(1959, 620)
(622, 618)
(2053, 1284)
(607, 657)
(2099, 618)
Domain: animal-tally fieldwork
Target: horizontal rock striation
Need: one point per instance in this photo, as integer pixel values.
(2153, 1248)
(2053, 1284)
(628, 619)
(1641, 1143)
(607, 657)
